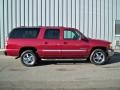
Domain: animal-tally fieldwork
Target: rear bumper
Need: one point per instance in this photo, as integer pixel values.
(110, 52)
(2, 51)
(6, 54)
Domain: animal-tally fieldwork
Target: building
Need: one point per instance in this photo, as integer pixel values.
(95, 18)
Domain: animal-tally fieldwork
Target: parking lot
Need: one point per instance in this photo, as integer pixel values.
(59, 75)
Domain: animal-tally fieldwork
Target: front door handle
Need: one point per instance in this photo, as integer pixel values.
(65, 42)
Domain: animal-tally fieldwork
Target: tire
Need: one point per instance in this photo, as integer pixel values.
(98, 57)
(28, 58)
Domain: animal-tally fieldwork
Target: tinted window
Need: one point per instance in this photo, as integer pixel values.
(52, 34)
(24, 33)
(71, 34)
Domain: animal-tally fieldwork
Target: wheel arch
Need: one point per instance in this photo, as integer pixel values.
(98, 47)
(27, 48)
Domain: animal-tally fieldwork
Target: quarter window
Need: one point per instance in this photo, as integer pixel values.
(24, 33)
(52, 34)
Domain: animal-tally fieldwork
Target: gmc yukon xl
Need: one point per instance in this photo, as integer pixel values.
(36, 43)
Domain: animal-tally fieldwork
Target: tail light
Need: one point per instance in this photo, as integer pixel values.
(6, 42)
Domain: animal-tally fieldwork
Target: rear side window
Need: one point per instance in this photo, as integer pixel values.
(24, 33)
(52, 34)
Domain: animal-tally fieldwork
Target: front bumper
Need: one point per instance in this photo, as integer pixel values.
(110, 52)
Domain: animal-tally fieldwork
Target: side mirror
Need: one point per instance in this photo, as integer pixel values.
(84, 38)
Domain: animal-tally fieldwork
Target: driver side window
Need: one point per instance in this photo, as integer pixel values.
(71, 35)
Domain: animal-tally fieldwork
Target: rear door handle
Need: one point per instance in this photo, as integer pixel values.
(65, 42)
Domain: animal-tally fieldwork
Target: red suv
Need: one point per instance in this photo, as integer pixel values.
(36, 43)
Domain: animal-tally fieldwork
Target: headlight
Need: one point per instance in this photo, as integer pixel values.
(110, 45)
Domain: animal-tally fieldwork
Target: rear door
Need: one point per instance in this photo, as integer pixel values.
(51, 43)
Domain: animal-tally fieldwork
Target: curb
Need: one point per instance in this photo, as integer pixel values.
(116, 50)
(2, 51)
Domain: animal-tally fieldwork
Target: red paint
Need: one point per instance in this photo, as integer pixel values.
(55, 48)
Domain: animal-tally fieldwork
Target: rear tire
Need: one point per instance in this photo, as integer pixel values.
(98, 57)
(29, 58)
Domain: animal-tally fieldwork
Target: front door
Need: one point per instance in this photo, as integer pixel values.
(73, 46)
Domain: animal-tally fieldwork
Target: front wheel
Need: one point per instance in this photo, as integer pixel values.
(28, 58)
(98, 57)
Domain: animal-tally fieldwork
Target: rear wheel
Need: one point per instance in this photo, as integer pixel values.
(98, 57)
(28, 58)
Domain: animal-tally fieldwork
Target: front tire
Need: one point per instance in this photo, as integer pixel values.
(98, 57)
(28, 58)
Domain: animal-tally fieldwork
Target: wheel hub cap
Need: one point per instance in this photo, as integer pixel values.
(99, 57)
(28, 59)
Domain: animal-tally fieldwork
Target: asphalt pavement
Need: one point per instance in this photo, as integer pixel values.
(59, 75)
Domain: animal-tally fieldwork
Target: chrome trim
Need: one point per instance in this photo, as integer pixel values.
(65, 50)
